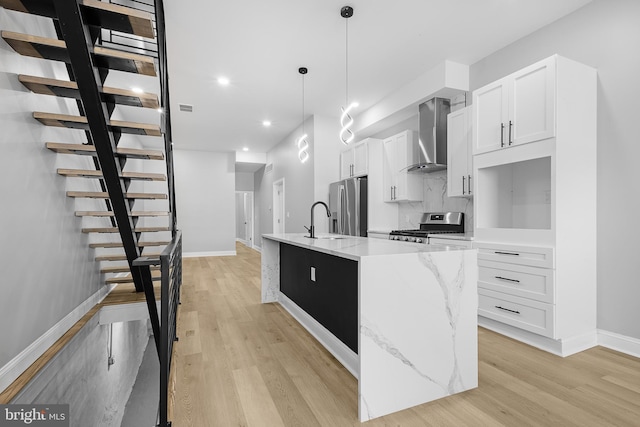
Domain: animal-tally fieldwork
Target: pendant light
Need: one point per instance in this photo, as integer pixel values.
(302, 142)
(346, 134)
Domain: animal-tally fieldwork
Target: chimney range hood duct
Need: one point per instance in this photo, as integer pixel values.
(432, 142)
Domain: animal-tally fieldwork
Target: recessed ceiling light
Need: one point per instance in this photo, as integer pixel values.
(136, 90)
(223, 81)
(245, 148)
(266, 123)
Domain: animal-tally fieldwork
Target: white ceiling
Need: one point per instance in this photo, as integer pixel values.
(259, 45)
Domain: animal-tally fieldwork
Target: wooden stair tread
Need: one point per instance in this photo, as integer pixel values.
(88, 173)
(129, 279)
(119, 244)
(56, 50)
(69, 89)
(88, 149)
(115, 229)
(120, 257)
(105, 195)
(96, 13)
(110, 214)
(79, 122)
(127, 294)
(123, 269)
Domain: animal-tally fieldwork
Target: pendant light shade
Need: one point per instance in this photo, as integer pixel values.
(302, 142)
(346, 121)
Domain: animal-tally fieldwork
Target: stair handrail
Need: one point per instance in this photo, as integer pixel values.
(170, 262)
(166, 109)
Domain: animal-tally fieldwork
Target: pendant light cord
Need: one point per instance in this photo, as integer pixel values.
(346, 62)
(303, 104)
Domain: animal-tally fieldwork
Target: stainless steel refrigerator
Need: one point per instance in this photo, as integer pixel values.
(348, 206)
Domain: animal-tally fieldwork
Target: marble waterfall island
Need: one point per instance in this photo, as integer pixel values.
(401, 317)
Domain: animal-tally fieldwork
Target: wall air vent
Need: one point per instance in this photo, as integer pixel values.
(186, 107)
(268, 168)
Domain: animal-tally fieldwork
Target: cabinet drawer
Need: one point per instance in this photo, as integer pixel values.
(520, 280)
(454, 243)
(533, 316)
(534, 256)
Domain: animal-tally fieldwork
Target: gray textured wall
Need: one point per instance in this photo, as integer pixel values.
(79, 374)
(47, 266)
(604, 34)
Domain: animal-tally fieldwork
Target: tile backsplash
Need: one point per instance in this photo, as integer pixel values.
(435, 200)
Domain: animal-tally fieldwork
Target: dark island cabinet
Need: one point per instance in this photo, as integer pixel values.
(332, 299)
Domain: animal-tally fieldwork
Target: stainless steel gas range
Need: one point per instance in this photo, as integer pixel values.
(432, 223)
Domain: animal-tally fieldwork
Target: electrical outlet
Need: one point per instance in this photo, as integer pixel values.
(313, 274)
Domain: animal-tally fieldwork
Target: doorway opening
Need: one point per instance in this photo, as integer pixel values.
(278, 206)
(245, 218)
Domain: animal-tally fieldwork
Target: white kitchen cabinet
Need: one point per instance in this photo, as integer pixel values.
(516, 109)
(453, 243)
(398, 154)
(459, 159)
(535, 209)
(354, 161)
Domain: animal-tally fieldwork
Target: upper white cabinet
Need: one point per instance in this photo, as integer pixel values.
(516, 109)
(459, 159)
(398, 154)
(354, 161)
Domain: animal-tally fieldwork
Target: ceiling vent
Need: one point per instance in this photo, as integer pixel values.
(268, 168)
(186, 108)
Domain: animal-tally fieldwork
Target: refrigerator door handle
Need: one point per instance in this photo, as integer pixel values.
(340, 210)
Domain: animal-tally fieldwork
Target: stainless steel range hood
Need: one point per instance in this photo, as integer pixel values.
(432, 142)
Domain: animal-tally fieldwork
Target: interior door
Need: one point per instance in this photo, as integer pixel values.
(248, 215)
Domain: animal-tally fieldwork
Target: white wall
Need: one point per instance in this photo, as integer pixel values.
(47, 266)
(298, 179)
(244, 181)
(205, 199)
(604, 34)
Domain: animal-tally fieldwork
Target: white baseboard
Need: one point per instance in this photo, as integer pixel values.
(257, 248)
(20, 363)
(340, 351)
(206, 254)
(563, 348)
(621, 343)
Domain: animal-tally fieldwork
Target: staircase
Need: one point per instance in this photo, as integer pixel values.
(116, 232)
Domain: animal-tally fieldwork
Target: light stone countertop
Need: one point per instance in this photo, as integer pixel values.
(354, 248)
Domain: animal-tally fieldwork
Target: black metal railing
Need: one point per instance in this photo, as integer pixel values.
(128, 42)
(170, 262)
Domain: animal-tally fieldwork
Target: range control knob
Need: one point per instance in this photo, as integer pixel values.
(406, 239)
(418, 240)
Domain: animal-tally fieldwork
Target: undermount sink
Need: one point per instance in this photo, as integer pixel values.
(329, 236)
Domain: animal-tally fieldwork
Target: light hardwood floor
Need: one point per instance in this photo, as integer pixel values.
(243, 363)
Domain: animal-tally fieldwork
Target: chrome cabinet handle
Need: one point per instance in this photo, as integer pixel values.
(507, 279)
(506, 253)
(463, 179)
(506, 309)
(510, 126)
(501, 134)
(469, 184)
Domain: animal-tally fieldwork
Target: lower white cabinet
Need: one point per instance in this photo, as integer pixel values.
(523, 313)
(453, 243)
(516, 286)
